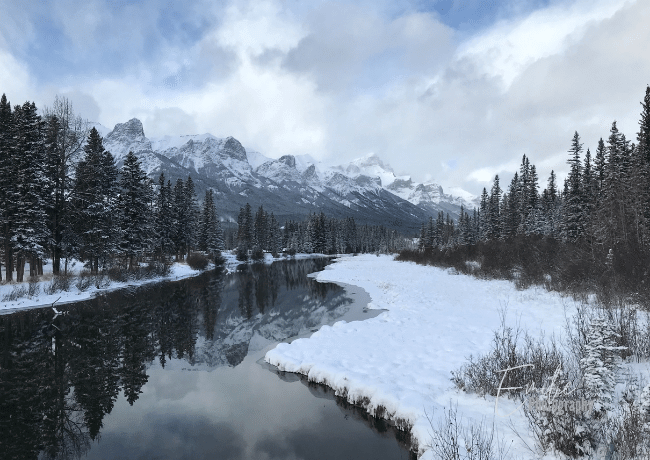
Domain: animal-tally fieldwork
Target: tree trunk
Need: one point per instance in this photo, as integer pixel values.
(56, 262)
(20, 269)
(9, 266)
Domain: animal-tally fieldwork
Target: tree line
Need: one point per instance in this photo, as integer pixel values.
(316, 234)
(595, 230)
(62, 197)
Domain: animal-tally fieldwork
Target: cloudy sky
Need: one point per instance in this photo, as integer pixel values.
(454, 91)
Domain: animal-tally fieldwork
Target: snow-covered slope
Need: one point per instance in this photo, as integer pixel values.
(290, 186)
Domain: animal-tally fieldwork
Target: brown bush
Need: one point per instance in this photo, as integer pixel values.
(197, 261)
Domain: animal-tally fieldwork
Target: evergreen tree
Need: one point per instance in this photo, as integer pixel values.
(574, 204)
(192, 215)
(134, 212)
(600, 363)
(29, 239)
(512, 214)
(244, 230)
(211, 235)
(7, 183)
(180, 219)
(164, 220)
(493, 218)
(483, 215)
(95, 194)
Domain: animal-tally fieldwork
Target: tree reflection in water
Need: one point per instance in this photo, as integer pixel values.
(60, 376)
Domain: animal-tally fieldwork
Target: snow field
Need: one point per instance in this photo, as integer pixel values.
(402, 359)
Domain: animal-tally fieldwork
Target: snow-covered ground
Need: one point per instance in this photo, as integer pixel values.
(403, 358)
(39, 298)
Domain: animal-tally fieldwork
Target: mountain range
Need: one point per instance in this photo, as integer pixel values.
(291, 186)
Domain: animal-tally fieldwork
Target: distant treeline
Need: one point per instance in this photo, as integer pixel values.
(316, 234)
(594, 233)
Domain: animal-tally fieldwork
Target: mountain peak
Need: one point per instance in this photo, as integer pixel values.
(130, 131)
(288, 160)
(233, 148)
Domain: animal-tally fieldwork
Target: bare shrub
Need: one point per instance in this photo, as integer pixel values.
(118, 274)
(563, 424)
(84, 281)
(57, 284)
(219, 260)
(156, 269)
(33, 288)
(628, 434)
(452, 440)
(16, 293)
(528, 363)
(258, 254)
(197, 261)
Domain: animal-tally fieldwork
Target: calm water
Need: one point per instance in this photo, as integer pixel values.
(176, 371)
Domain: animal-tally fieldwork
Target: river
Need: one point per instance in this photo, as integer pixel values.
(175, 370)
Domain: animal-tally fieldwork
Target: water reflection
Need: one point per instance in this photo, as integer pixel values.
(60, 376)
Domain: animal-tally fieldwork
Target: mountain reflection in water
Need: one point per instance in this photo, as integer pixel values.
(60, 377)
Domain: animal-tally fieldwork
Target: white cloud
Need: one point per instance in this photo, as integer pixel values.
(15, 80)
(342, 80)
(510, 46)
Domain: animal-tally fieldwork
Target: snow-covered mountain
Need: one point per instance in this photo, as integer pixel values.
(290, 186)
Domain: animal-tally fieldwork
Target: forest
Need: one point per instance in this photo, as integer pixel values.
(63, 198)
(590, 235)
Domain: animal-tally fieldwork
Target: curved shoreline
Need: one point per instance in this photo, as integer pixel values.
(398, 365)
(179, 271)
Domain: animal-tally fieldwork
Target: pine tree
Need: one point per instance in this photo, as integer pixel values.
(533, 218)
(493, 212)
(244, 231)
(164, 220)
(260, 229)
(192, 215)
(7, 184)
(611, 228)
(95, 195)
(134, 212)
(180, 219)
(483, 215)
(275, 237)
(211, 235)
(512, 214)
(29, 239)
(600, 363)
(642, 171)
(574, 204)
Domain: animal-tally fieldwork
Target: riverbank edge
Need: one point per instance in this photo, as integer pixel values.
(178, 271)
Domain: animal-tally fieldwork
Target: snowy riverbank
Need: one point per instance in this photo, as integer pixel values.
(403, 359)
(39, 297)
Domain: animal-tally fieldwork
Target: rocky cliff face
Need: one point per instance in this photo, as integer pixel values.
(290, 187)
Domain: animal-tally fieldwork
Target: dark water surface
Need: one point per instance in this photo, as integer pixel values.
(175, 371)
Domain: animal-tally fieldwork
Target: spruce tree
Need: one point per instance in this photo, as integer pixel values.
(94, 201)
(192, 215)
(134, 212)
(7, 184)
(164, 220)
(574, 204)
(494, 218)
(30, 235)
